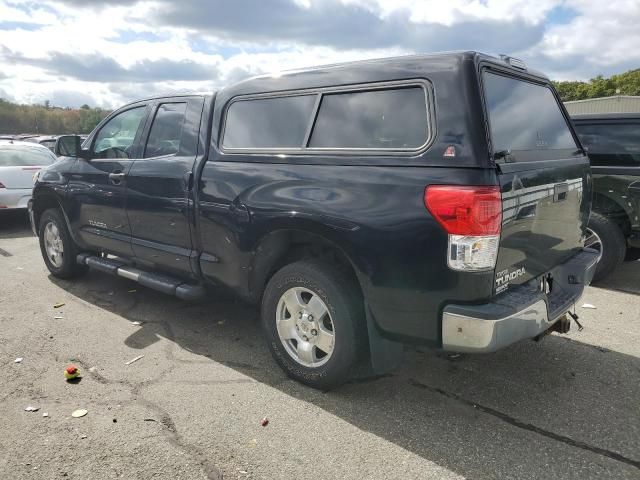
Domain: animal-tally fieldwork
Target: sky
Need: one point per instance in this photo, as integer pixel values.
(107, 53)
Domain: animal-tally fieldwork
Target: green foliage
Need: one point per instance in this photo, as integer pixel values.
(627, 83)
(46, 119)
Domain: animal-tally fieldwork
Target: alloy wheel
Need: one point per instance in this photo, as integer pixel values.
(305, 327)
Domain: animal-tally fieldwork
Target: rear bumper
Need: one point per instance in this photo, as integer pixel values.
(521, 313)
(12, 198)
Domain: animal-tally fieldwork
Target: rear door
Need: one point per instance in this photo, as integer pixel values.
(543, 173)
(159, 185)
(18, 164)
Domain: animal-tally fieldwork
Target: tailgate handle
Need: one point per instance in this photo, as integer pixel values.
(560, 191)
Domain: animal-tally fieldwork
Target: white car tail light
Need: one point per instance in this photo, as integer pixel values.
(472, 216)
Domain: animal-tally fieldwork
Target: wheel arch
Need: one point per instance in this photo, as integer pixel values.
(285, 245)
(614, 208)
(280, 247)
(46, 200)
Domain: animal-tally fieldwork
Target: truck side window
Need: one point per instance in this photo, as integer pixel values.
(268, 122)
(378, 119)
(525, 119)
(166, 130)
(115, 138)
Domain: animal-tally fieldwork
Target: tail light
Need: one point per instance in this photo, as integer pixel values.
(2, 185)
(472, 216)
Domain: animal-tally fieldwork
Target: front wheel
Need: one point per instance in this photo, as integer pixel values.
(313, 318)
(58, 248)
(605, 236)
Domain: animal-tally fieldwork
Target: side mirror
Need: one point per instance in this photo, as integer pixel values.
(68, 146)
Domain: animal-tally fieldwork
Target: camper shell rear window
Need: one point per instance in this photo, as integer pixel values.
(526, 122)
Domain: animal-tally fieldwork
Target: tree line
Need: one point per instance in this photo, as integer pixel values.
(45, 119)
(627, 83)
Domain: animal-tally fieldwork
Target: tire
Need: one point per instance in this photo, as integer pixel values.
(613, 245)
(57, 247)
(331, 361)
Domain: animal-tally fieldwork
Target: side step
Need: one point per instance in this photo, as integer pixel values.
(157, 281)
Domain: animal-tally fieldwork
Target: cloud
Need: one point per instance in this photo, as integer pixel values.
(584, 38)
(5, 96)
(118, 50)
(345, 26)
(19, 26)
(99, 68)
(97, 4)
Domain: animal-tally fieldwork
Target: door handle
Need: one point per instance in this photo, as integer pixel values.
(116, 177)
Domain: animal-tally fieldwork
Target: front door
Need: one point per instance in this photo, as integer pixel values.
(98, 184)
(158, 186)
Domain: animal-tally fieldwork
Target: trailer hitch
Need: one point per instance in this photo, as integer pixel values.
(575, 319)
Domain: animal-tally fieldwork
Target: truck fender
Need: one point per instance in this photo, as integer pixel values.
(45, 201)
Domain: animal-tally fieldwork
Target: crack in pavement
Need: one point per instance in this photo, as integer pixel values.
(170, 431)
(527, 426)
(212, 472)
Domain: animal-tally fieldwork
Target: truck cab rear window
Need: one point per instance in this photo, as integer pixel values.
(378, 119)
(166, 130)
(268, 122)
(525, 120)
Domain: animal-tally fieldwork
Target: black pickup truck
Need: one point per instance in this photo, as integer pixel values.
(613, 142)
(435, 199)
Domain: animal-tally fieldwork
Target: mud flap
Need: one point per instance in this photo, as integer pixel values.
(385, 354)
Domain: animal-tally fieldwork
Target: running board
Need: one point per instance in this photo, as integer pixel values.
(156, 281)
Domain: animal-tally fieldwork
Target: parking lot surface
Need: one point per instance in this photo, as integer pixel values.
(191, 407)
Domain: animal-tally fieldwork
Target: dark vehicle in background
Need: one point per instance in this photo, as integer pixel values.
(435, 199)
(613, 144)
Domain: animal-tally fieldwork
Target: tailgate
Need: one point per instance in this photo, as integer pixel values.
(544, 178)
(18, 177)
(544, 214)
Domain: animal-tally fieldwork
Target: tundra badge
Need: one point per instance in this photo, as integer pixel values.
(504, 277)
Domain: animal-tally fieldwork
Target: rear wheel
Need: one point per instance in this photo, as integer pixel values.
(313, 318)
(58, 248)
(605, 236)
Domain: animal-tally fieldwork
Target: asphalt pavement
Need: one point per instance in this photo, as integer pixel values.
(192, 406)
